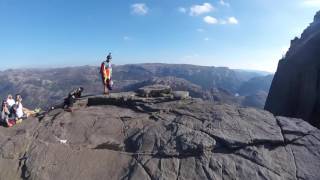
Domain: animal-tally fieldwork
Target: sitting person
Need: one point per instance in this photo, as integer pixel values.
(10, 101)
(18, 108)
(22, 112)
(72, 96)
(5, 113)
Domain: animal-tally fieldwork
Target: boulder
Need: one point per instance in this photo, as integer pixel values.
(181, 94)
(156, 90)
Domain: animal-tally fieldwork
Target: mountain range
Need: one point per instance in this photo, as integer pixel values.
(46, 87)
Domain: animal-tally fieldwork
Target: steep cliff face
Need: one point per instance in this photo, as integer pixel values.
(164, 135)
(295, 90)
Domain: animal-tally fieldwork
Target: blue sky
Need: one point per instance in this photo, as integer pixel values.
(246, 34)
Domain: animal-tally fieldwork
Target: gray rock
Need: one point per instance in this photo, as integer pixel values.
(295, 88)
(180, 94)
(156, 90)
(123, 136)
(303, 142)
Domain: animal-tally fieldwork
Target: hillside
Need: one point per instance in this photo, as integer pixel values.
(255, 85)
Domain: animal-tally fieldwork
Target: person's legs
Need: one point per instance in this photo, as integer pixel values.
(109, 87)
(105, 89)
(105, 83)
(7, 121)
(29, 112)
(69, 103)
(11, 119)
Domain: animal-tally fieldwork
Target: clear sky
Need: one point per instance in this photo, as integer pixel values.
(246, 34)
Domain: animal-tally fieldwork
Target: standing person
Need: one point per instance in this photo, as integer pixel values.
(106, 73)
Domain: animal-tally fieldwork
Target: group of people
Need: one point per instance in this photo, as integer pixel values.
(13, 112)
(106, 73)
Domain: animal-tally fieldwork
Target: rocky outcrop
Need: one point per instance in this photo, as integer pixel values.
(179, 84)
(295, 90)
(127, 136)
(154, 91)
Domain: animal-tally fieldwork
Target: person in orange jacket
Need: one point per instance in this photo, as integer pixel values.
(106, 73)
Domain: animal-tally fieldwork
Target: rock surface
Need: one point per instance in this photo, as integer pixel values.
(124, 136)
(178, 84)
(154, 90)
(295, 88)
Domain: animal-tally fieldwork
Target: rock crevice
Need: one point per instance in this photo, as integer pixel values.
(174, 138)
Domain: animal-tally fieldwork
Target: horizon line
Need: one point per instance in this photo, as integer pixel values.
(155, 63)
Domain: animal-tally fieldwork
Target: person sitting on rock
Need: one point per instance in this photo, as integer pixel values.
(71, 99)
(5, 113)
(10, 101)
(20, 112)
(106, 73)
(18, 109)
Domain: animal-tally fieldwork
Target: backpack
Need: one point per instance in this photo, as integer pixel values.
(108, 71)
(102, 68)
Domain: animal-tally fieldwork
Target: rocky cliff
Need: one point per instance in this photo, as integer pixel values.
(295, 90)
(159, 134)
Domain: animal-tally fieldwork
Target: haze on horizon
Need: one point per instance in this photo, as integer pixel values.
(241, 35)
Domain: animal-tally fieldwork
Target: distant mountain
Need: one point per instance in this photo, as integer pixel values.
(204, 76)
(44, 87)
(256, 85)
(257, 99)
(295, 90)
(253, 73)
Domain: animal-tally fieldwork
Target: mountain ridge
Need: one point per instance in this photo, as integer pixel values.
(51, 85)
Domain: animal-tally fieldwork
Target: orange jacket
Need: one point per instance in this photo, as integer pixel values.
(106, 71)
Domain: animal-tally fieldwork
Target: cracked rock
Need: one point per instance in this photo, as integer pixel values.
(124, 136)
